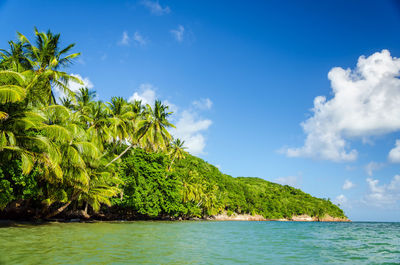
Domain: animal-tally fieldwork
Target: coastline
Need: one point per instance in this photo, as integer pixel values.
(218, 218)
(298, 218)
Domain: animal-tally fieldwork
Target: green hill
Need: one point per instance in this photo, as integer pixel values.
(197, 189)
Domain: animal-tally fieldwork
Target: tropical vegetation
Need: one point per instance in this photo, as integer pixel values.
(117, 159)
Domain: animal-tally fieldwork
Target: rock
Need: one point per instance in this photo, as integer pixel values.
(237, 217)
(328, 218)
(303, 218)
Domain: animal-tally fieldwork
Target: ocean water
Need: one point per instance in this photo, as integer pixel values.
(201, 243)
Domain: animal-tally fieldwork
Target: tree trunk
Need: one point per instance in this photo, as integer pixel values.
(170, 165)
(126, 150)
(86, 207)
(84, 212)
(118, 157)
(62, 208)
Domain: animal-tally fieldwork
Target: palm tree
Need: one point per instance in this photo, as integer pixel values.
(46, 59)
(177, 151)
(67, 102)
(151, 132)
(103, 186)
(18, 126)
(14, 59)
(85, 97)
(63, 128)
(123, 119)
(99, 124)
(13, 87)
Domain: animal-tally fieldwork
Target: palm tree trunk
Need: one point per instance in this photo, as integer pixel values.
(126, 150)
(62, 208)
(118, 157)
(170, 165)
(84, 212)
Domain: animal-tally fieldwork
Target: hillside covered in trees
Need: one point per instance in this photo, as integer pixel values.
(77, 156)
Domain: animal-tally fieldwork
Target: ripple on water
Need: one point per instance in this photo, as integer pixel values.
(201, 243)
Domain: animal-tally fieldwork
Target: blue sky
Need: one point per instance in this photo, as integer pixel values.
(243, 76)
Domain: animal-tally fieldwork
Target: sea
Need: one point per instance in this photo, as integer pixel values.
(200, 242)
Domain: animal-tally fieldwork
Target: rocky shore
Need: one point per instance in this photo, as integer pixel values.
(298, 218)
(22, 214)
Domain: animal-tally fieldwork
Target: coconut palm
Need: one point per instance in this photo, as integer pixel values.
(103, 186)
(176, 151)
(151, 132)
(85, 98)
(18, 126)
(99, 124)
(46, 59)
(63, 128)
(123, 119)
(14, 59)
(67, 102)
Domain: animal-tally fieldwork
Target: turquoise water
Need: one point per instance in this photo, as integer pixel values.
(201, 243)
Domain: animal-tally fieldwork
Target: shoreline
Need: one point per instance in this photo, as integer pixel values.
(298, 218)
(217, 218)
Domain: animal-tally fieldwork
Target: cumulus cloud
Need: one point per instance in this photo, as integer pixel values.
(394, 154)
(73, 86)
(204, 103)
(372, 166)
(146, 94)
(293, 181)
(139, 39)
(190, 126)
(364, 103)
(125, 39)
(383, 195)
(155, 7)
(341, 200)
(347, 185)
(178, 33)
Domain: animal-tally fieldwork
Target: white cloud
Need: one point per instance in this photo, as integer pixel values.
(125, 40)
(394, 154)
(146, 94)
(372, 166)
(341, 200)
(203, 104)
(395, 184)
(139, 39)
(155, 7)
(178, 33)
(171, 107)
(73, 86)
(383, 195)
(190, 126)
(347, 185)
(364, 103)
(293, 181)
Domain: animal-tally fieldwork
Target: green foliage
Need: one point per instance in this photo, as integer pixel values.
(250, 195)
(87, 152)
(14, 185)
(197, 189)
(147, 190)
